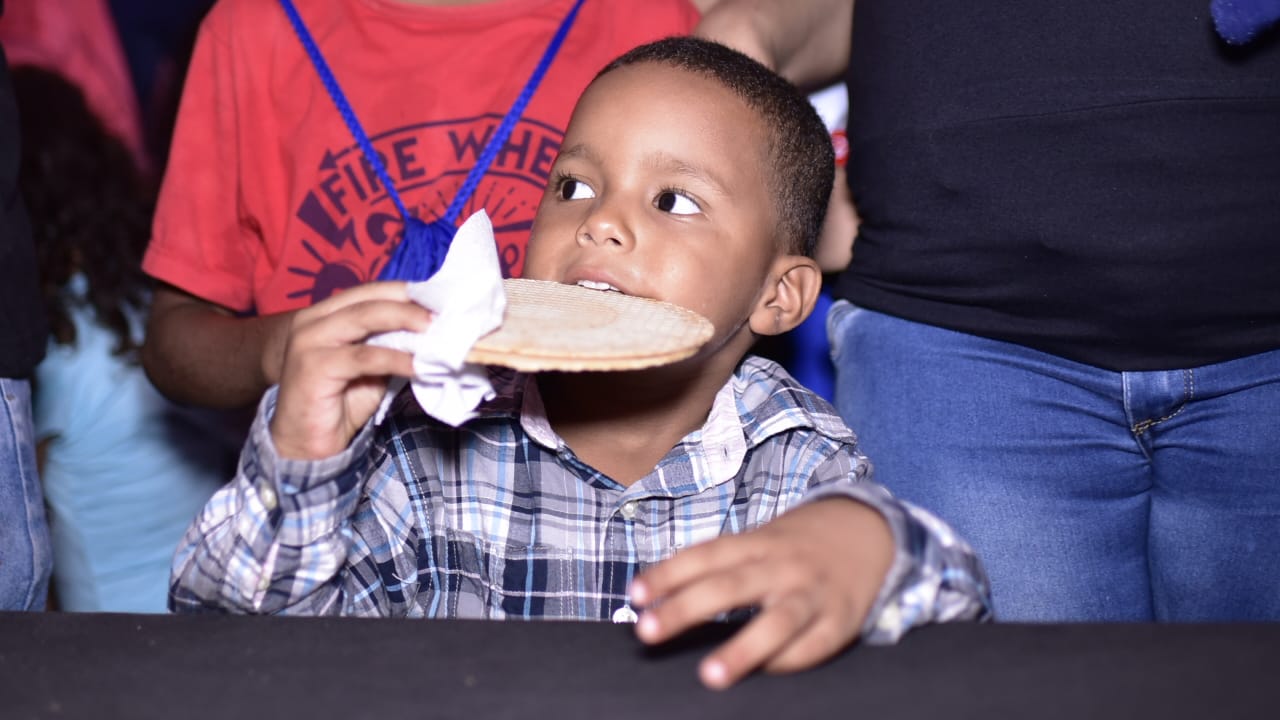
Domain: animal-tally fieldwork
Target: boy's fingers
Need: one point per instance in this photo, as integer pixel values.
(758, 642)
(839, 621)
(818, 642)
(355, 322)
(701, 600)
(357, 361)
(335, 368)
(328, 395)
(689, 565)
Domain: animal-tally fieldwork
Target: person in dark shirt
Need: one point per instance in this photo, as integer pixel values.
(1060, 328)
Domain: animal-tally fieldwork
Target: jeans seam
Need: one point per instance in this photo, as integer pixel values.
(835, 323)
(31, 492)
(1188, 393)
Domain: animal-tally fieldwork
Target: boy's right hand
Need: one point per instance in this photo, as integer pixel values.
(332, 382)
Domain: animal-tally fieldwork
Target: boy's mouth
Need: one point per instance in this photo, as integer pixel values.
(597, 285)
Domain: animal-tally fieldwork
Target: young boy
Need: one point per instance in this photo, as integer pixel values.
(690, 174)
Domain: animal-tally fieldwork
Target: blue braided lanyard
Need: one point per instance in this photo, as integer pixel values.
(421, 268)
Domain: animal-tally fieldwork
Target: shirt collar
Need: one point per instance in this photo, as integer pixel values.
(716, 450)
(533, 417)
(758, 402)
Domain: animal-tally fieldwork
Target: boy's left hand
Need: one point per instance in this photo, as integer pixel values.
(812, 572)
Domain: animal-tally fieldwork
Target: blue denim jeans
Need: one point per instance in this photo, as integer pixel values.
(1089, 494)
(25, 554)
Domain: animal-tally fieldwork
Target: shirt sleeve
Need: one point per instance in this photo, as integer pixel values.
(935, 576)
(200, 240)
(278, 538)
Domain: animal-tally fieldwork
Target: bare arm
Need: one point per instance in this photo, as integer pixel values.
(835, 245)
(200, 353)
(42, 453)
(805, 42)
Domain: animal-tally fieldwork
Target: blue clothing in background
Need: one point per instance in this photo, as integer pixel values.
(810, 357)
(125, 472)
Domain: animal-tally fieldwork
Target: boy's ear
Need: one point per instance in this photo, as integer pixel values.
(789, 295)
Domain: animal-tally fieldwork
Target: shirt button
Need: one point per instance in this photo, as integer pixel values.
(268, 497)
(629, 509)
(890, 619)
(265, 583)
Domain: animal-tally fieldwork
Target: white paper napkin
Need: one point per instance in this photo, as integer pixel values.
(467, 301)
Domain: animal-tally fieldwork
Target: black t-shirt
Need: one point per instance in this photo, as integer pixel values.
(1096, 180)
(23, 332)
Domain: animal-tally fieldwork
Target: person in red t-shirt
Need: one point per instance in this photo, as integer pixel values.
(268, 204)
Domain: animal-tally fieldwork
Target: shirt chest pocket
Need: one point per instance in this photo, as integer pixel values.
(462, 575)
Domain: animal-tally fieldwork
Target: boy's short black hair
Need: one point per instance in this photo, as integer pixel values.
(802, 159)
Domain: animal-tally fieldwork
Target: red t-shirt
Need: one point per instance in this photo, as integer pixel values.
(267, 204)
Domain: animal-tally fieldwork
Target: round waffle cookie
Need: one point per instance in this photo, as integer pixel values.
(552, 326)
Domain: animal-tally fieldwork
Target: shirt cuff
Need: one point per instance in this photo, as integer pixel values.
(934, 575)
(879, 499)
(324, 492)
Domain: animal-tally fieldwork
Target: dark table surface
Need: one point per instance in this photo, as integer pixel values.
(62, 665)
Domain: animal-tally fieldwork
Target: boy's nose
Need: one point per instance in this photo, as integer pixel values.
(606, 227)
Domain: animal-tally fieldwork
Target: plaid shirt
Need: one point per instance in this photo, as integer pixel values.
(499, 518)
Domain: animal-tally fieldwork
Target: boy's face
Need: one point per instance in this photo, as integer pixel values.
(660, 191)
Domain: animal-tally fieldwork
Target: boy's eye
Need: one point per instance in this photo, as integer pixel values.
(676, 203)
(571, 189)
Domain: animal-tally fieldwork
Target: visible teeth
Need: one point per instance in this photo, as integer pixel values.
(594, 285)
